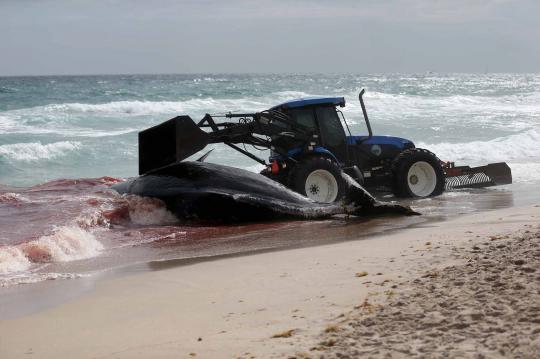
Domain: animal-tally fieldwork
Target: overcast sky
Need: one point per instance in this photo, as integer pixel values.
(184, 36)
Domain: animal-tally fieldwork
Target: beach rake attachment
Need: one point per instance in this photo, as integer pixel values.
(493, 174)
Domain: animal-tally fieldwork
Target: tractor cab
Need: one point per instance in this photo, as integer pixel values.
(320, 116)
(334, 139)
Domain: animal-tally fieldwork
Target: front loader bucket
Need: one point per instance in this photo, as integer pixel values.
(169, 142)
(494, 174)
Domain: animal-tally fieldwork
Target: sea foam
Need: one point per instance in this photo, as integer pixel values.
(34, 151)
(147, 211)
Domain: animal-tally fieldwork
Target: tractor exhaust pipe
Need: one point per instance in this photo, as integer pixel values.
(365, 112)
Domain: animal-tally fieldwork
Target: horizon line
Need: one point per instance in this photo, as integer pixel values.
(273, 73)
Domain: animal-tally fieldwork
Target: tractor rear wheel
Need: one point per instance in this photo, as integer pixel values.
(417, 173)
(317, 178)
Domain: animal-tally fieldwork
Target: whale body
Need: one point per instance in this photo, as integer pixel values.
(211, 192)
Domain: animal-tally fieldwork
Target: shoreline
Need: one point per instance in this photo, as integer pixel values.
(241, 239)
(59, 291)
(126, 243)
(268, 304)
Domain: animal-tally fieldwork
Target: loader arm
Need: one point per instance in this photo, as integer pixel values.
(180, 137)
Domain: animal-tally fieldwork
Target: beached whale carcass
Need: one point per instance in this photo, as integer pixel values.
(207, 191)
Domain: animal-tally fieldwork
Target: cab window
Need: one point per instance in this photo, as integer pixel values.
(332, 131)
(303, 116)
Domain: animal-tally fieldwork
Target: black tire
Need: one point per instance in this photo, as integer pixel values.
(430, 183)
(301, 171)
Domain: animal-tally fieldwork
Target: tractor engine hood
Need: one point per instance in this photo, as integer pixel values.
(398, 142)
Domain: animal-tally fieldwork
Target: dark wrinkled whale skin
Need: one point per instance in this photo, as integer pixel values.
(211, 192)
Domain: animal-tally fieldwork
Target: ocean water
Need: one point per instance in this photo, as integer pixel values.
(64, 140)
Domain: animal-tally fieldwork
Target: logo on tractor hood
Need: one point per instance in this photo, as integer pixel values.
(376, 150)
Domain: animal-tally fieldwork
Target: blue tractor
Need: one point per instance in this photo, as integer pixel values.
(310, 144)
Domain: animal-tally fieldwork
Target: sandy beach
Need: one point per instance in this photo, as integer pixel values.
(467, 287)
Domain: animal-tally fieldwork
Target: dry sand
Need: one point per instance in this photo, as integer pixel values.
(445, 290)
(488, 306)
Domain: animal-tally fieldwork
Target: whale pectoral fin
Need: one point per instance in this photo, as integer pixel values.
(359, 202)
(203, 157)
(356, 194)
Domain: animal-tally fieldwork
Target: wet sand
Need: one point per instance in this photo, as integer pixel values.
(309, 301)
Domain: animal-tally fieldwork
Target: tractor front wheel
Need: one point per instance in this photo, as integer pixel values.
(417, 173)
(317, 178)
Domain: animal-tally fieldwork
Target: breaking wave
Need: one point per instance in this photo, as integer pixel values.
(519, 147)
(63, 245)
(87, 119)
(12, 259)
(147, 107)
(523, 103)
(34, 151)
(526, 103)
(156, 107)
(97, 215)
